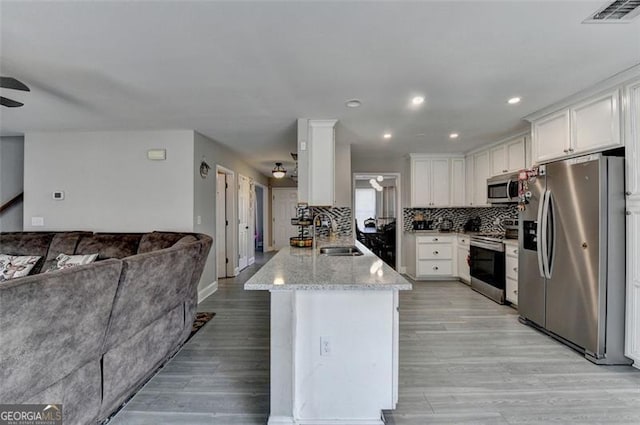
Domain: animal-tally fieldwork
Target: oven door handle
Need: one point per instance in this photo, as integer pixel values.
(539, 232)
(509, 190)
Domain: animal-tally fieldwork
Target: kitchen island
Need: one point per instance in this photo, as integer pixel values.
(334, 335)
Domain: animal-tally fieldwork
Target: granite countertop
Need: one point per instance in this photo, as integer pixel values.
(306, 269)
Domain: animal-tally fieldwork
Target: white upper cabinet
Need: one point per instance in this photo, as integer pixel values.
(595, 124)
(498, 160)
(420, 182)
(440, 182)
(469, 179)
(516, 155)
(551, 136)
(481, 171)
(633, 139)
(458, 182)
(434, 179)
(590, 126)
(316, 162)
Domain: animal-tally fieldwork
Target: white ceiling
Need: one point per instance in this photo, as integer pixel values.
(242, 72)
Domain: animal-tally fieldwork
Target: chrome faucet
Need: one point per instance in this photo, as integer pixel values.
(328, 223)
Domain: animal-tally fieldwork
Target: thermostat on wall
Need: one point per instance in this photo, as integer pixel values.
(58, 195)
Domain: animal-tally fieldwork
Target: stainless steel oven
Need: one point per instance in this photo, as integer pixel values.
(502, 189)
(487, 267)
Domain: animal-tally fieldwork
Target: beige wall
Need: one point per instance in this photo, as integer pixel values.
(11, 181)
(109, 183)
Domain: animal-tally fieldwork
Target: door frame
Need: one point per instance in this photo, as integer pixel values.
(250, 226)
(400, 267)
(232, 216)
(265, 215)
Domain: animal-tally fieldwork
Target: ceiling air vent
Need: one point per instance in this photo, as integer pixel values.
(621, 11)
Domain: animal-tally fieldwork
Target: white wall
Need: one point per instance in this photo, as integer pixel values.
(109, 183)
(11, 181)
(204, 194)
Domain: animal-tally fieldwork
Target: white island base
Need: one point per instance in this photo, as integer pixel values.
(334, 356)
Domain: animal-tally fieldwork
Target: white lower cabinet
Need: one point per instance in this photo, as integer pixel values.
(511, 273)
(464, 272)
(430, 257)
(632, 345)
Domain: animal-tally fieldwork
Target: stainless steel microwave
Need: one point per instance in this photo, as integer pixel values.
(502, 189)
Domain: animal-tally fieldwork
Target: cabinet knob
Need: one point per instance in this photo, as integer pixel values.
(628, 212)
(435, 267)
(515, 291)
(515, 251)
(566, 151)
(570, 149)
(505, 171)
(627, 193)
(435, 239)
(515, 269)
(435, 253)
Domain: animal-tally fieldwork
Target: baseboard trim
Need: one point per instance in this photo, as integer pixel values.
(207, 290)
(281, 420)
(376, 421)
(402, 270)
(288, 420)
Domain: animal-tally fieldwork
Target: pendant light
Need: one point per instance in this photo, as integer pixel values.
(279, 172)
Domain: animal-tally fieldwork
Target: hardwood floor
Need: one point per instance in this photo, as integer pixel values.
(463, 360)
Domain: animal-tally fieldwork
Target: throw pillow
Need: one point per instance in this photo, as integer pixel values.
(64, 261)
(12, 266)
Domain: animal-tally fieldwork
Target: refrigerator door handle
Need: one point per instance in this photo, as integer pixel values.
(545, 234)
(551, 211)
(539, 233)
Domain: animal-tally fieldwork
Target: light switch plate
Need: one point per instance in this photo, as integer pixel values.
(37, 221)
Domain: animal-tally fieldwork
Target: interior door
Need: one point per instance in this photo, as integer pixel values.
(221, 225)
(573, 289)
(284, 206)
(243, 222)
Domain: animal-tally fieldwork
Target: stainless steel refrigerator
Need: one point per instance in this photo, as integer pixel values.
(571, 272)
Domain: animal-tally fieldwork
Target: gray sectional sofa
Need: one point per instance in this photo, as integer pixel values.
(89, 336)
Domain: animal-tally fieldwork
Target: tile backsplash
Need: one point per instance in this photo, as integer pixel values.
(341, 217)
(459, 216)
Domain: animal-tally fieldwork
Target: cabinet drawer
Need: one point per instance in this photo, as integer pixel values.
(511, 250)
(463, 240)
(435, 268)
(434, 239)
(512, 268)
(434, 251)
(511, 291)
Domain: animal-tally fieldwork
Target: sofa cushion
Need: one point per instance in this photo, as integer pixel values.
(62, 242)
(159, 240)
(27, 243)
(109, 245)
(64, 261)
(151, 285)
(13, 266)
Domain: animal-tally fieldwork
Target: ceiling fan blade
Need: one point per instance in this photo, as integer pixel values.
(12, 83)
(9, 103)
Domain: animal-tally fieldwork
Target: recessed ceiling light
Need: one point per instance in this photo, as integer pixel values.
(514, 100)
(353, 103)
(453, 135)
(418, 100)
(387, 135)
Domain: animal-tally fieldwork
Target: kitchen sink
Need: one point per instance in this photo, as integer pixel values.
(348, 251)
